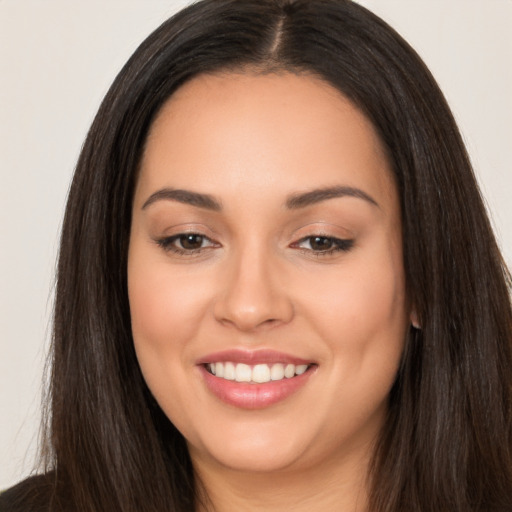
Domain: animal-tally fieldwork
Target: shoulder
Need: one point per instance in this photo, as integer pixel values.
(31, 495)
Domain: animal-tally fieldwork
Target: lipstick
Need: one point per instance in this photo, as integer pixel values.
(254, 379)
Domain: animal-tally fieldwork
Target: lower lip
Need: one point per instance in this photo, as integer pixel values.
(254, 396)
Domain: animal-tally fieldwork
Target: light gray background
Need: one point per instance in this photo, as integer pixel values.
(57, 59)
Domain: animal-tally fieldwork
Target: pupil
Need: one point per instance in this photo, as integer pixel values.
(321, 243)
(191, 241)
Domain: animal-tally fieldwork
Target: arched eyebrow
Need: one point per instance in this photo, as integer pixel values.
(311, 197)
(184, 196)
(293, 202)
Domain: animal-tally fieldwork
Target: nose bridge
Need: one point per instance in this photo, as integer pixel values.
(251, 295)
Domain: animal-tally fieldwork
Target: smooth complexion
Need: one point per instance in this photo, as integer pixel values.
(266, 223)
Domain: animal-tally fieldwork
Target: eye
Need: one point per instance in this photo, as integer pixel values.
(186, 243)
(321, 244)
(190, 241)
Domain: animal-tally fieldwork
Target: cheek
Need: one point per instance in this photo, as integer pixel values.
(165, 305)
(374, 302)
(361, 311)
(364, 297)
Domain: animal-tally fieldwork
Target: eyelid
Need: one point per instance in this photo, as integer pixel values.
(330, 228)
(338, 244)
(167, 243)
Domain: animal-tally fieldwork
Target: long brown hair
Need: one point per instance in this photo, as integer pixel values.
(446, 445)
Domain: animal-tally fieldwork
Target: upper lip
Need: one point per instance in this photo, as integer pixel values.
(252, 357)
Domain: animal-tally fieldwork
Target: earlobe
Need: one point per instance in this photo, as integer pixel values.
(414, 319)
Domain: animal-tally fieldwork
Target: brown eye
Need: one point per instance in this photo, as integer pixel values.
(186, 243)
(320, 243)
(324, 245)
(191, 241)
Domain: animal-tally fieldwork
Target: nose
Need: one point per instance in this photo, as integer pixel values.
(252, 294)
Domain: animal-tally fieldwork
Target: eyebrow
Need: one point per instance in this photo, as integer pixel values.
(293, 202)
(184, 196)
(302, 200)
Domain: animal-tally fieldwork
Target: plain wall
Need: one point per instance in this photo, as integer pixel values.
(57, 59)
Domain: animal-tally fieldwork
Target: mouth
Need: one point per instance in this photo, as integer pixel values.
(254, 380)
(255, 374)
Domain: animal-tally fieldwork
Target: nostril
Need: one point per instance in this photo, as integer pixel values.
(251, 298)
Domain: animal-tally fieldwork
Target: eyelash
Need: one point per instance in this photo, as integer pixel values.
(338, 244)
(168, 244)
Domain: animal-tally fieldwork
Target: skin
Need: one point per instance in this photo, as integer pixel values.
(251, 141)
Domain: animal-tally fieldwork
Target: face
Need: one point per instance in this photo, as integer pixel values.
(265, 272)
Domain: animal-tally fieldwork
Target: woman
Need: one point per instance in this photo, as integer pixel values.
(277, 286)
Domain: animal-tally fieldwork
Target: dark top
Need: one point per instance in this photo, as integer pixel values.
(31, 495)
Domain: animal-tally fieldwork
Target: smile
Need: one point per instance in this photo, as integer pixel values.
(254, 380)
(255, 374)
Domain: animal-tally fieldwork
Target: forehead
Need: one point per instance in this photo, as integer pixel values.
(263, 131)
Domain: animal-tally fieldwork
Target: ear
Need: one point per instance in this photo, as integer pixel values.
(414, 319)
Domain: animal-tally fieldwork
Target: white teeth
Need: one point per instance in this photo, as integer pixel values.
(242, 372)
(259, 373)
(299, 370)
(229, 371)
(289, 371)
(277, 372)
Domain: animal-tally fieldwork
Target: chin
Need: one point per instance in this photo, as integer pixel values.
(252, 451)
(254, 461)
